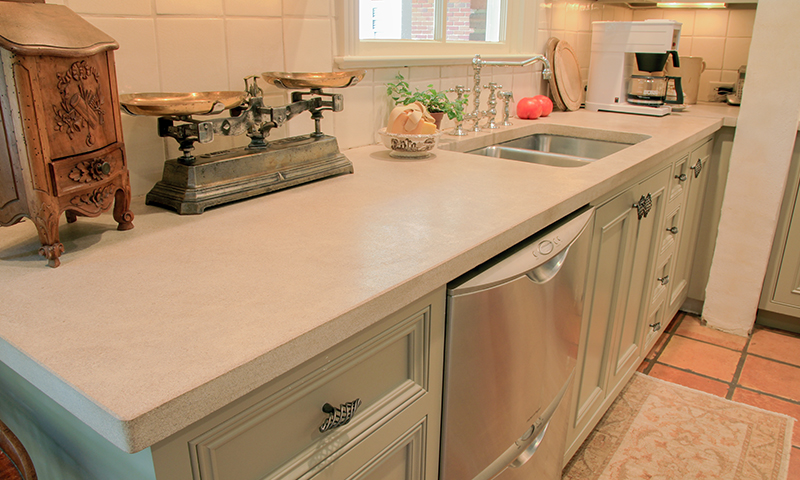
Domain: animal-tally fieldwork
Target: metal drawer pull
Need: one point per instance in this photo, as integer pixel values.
(698, 167)
(339, 416)
(673, 230)
(656, 326)
(682, 177)
(643, 206)
(664, 280)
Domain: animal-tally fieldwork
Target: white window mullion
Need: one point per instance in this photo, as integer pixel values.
(440, 33)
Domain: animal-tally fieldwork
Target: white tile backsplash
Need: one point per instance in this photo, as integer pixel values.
(254, 45)
(253, 8)
(711, 23)
(712, 50)
(112, 7)
(188, 7)
(137, 56)
(740, 23)
(192, 56)
(736, 52)
(307, 8)
(349, 123)
(307, 44)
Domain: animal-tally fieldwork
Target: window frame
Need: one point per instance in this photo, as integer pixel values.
(518, 43)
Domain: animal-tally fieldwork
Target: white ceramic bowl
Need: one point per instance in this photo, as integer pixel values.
(404, 145)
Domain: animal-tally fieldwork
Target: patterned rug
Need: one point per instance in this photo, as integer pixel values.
(662, 431)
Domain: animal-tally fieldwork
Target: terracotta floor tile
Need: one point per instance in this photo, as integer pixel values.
(692, 328)
(777, 346)
(699, 357)
(659, 345)
(690, 380)
(794, 465)
(773, 405)
(676, 320)
(771, 377)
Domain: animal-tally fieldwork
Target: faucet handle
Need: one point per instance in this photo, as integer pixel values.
(507, 98)
(493, 87)
(459, 89)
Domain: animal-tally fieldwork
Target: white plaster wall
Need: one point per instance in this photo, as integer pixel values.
(760, 160)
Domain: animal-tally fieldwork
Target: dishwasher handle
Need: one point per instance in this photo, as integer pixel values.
(540, 257)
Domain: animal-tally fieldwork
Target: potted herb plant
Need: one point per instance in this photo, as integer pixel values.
(437, 102)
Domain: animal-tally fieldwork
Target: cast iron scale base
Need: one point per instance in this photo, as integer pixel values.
(231, 175)
(190, 184)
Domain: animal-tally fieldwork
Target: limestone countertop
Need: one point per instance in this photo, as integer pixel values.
(141, 333)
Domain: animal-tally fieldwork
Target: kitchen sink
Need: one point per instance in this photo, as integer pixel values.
(553, 150)
(531, 156)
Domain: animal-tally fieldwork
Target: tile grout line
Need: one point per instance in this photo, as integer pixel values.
(739, 366)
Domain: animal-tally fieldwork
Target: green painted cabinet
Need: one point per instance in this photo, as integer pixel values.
(623, 245)
(781, 293)
(633, 266)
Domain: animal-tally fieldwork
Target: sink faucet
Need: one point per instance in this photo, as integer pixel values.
(478, 63)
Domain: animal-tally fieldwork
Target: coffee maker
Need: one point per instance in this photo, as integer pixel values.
(626, 63)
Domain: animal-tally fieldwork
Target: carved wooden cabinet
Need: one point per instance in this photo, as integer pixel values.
(61, 148)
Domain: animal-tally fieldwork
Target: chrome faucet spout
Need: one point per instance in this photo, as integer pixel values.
(523, 63)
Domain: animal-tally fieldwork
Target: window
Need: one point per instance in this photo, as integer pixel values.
(380, 31)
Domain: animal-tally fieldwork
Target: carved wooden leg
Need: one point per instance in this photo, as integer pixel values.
(72, 217)
(46, 221)
(122, 212)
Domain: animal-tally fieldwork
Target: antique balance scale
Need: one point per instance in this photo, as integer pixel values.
(190, 183)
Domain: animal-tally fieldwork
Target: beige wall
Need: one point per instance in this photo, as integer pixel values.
(202, 45)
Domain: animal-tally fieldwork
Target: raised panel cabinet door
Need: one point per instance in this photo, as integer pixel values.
(787, 287)
(627, 340)
(696, 182)
(608, 281)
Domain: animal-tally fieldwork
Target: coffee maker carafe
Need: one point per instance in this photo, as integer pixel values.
(651, 89)
(627, 63)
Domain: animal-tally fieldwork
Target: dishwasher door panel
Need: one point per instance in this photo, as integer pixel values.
(510, 350)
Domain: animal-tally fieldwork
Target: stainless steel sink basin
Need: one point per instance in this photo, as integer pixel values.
(531, 156)
(564, 145)
(553, 150)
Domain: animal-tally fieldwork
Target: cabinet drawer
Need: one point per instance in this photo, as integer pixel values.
(76, 173)
(680, 175)
(279, 436)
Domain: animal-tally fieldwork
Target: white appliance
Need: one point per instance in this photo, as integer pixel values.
(613, 61)
(513, 326)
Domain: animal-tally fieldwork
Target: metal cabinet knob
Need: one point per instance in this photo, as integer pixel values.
(664, 280)
(682, 177)
(673, 230)
(339, 416)
(101, 167)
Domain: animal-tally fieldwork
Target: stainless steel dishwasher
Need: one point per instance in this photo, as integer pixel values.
(513, 326)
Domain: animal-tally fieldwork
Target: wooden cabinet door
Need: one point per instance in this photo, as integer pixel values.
(608, 281)
(627, 339)
(695, 185)
(787, 288)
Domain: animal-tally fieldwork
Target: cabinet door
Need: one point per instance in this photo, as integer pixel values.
(607, 283)
(787, 288)
(624, 250)
(695, 185)
(628, 339)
